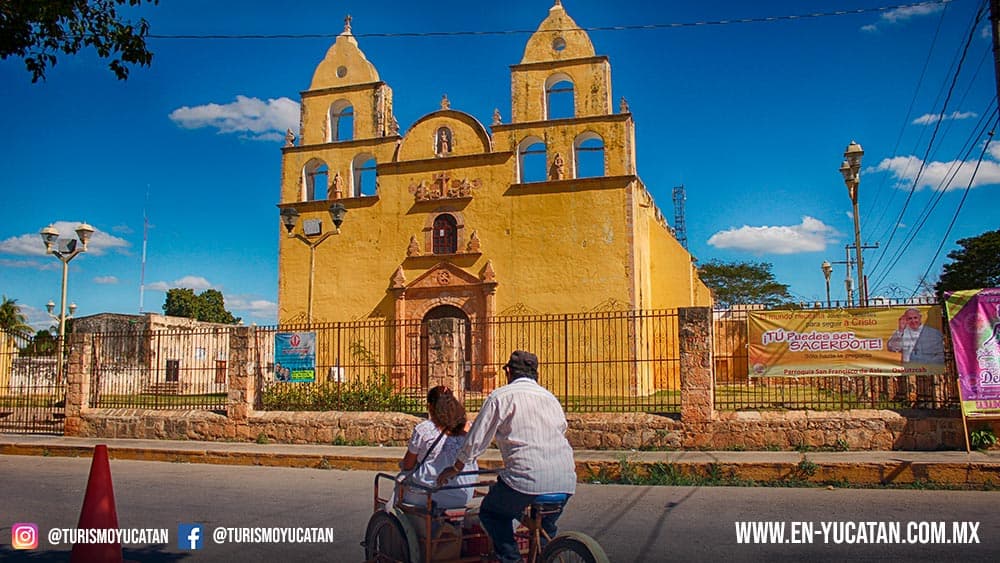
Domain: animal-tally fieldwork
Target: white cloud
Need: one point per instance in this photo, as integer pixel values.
(905, 168)
(812, 235)
(30, 244)
(196, 283)
(905, 13)
(106, 280)
(253, 118)
(245, 306)
(932, 118)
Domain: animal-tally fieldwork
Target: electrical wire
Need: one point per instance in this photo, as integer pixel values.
(937, 126)
(954, 218)
(673, 25)
(943, 187)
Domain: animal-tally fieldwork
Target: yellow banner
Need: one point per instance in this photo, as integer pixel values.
(846, 342)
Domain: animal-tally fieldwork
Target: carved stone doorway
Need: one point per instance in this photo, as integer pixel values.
(446, 349)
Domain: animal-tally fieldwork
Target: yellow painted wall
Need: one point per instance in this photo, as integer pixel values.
(558, 246)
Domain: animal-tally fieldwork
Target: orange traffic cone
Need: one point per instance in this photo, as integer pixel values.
(98, 512)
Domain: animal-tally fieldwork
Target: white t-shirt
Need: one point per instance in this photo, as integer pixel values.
(441, 458)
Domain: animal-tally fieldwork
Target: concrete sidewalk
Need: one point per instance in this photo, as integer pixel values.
(950, 468)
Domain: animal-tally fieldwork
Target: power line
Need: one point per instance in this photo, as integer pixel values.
(937, 126)
(954, 218)
(672, 25)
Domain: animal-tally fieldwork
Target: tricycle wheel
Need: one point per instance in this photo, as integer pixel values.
(574, 547)
(385, 540)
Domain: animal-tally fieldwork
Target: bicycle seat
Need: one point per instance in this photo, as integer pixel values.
(551, 498)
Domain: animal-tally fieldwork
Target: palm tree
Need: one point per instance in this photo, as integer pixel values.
(11, 318)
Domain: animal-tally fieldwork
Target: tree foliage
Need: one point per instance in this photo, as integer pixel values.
(11, 318)
(743, 283)
(36, 30)
(974, 266)
(208, 306)
(43, 344)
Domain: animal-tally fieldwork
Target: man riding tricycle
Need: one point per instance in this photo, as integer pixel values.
(429, 514)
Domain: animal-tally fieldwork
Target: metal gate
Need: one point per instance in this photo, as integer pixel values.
(32, 386)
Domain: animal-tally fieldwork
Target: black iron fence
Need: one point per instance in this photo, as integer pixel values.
(606, 362)
(32, 386)
(736, 390)
(160, 369)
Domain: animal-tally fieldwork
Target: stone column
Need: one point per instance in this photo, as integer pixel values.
(78, 370)
(242, 374)
(446, 354)
(697, 389)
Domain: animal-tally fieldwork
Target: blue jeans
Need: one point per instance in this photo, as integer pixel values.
(501, 506)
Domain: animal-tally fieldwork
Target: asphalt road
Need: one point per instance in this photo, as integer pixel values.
(633, 523)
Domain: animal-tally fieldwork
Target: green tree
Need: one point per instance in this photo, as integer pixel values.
(743, 283)
(208, 306)
(43, 344)
(36, 30)
(974, 266)
(11, 318)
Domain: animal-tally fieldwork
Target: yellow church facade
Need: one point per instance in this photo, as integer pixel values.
(543, 213)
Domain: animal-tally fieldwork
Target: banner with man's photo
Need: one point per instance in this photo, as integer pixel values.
(974, 321)
(889, 341)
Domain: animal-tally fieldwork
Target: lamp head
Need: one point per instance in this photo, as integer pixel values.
(84, 232)
(337, 212)
(846, 171)
(72, 309)
(50, 306)
(853, 154)
(49, 236)
(289, 217)
(827, 269)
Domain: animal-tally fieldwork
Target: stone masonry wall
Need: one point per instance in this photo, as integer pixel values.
(700, 425)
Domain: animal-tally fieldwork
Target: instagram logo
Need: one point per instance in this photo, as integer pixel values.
(24, 536)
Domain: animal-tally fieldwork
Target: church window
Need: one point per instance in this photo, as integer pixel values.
(589, 155)
(315, 180)
(531, 160)
(341, 121)
(445, 234)
(364, 176)
(559, 97)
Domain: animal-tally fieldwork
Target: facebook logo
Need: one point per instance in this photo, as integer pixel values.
(189, 536)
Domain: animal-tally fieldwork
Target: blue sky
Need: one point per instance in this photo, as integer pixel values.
(752, 118)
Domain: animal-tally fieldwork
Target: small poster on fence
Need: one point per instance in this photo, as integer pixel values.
(889, 341)
(295, 357)
(974, 320)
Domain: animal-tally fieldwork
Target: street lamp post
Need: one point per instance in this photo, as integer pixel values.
(827, 270)
(289, 218)
(851, 171)
(65, 250)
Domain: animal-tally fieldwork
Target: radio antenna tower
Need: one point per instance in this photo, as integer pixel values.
(680, 230)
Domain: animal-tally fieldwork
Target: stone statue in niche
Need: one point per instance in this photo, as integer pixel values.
(443, 141)
(338, 186)
(558, 169)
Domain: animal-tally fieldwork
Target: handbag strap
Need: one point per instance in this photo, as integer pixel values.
(428, 454)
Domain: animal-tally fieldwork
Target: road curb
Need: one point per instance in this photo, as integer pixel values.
(900, 472)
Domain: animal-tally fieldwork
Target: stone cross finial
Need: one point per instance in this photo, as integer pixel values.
(623, 106)
(347, 24)
(445, 104)
(496, 116)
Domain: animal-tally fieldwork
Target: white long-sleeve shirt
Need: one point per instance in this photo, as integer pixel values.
(530, 429)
